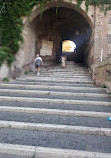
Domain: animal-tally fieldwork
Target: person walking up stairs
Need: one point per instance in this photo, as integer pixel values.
(38, 63)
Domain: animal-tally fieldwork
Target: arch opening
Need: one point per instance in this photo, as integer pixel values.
(58, 25)
(68, 46)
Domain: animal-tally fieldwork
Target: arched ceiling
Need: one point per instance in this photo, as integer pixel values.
(66, 21)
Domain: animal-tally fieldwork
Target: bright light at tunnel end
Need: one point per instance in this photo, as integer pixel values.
(68, 46)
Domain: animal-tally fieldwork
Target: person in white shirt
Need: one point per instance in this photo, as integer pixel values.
(38, 63)
(63, 61)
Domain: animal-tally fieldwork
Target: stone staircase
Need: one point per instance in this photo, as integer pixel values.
(57, 114)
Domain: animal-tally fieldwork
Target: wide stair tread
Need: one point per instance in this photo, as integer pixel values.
(57, 114)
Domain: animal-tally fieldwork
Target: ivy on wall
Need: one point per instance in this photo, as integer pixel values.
(103, 5)
(11, 26)
(11, 22)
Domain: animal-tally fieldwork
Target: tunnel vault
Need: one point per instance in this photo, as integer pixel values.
(56, 24)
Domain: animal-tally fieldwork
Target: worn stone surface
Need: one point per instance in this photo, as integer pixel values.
(103, 72)
(102, 35)
(84, 133)
(4, 71)
(12, 156)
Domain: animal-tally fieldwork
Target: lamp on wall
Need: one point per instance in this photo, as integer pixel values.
(77, 33)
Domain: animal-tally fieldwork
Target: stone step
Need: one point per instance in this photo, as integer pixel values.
(31, 110)
(57, 101)
(56, 136)
(71, 80)
(53, 80)
(54, 88)
(13, 156)
(62, 94)
(57, 78)
(70, 68)
(72, 64)
(74, 107)
(56, 128)
(58, 114)
(22, 151)
(58, 117)
(55, 95)
(16, 151)
(66, 71)
(59, 75)
(33, 82)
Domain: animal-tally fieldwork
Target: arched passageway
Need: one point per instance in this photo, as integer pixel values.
(59, 24)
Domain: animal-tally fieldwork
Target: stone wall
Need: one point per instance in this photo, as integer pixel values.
(103, 72)
(102, 36)
(28, 48)
(4, 71)
(26, 54)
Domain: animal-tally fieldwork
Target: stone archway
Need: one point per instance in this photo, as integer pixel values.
(46, 33)
(93, 36)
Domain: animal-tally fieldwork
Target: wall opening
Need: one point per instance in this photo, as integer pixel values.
(60, 25)
(68, 46)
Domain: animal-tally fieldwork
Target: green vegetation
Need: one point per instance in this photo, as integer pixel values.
(11, 22)
(5, 79)
(5, 54)
(26, 72)
(103, 86)
(103, 5)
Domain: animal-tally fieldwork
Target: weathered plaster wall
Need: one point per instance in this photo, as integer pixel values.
(28, 45)
(26, 53)
(102, 36)
(103, 72)
(4, 71)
